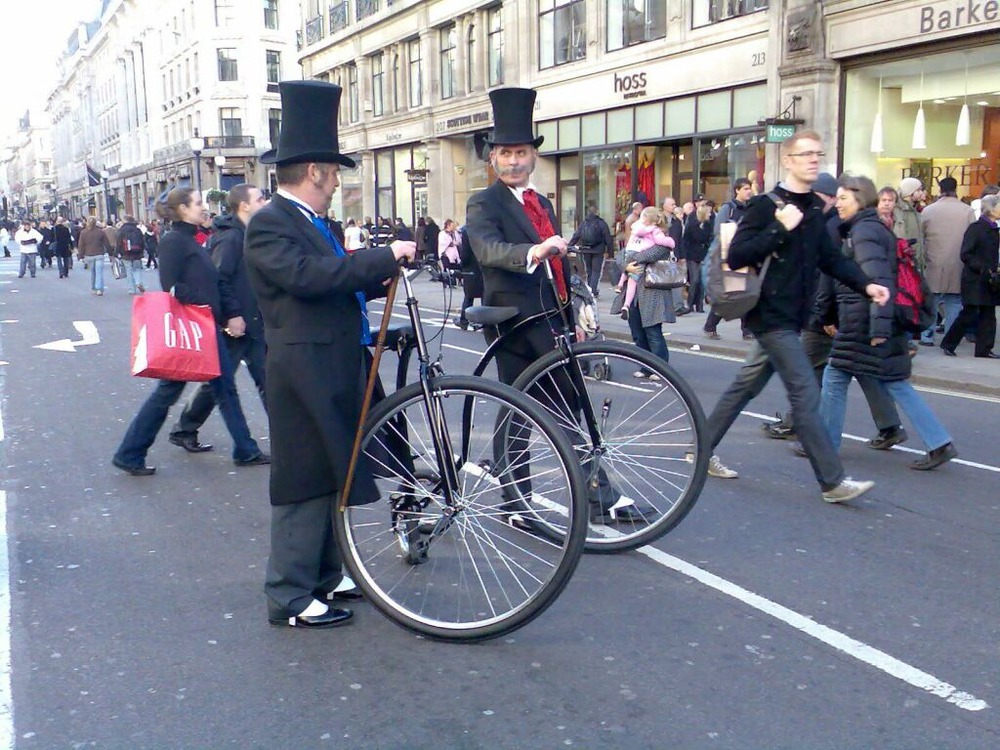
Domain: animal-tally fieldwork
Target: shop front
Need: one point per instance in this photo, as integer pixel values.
(928, 111)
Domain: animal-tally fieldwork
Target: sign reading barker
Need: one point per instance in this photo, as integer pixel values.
(961, 14)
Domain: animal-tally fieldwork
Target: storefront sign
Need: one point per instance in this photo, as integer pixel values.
(463, 122)
(417, 175)
(779, 132)
(630, 86)
(962, 14)
(966, 175)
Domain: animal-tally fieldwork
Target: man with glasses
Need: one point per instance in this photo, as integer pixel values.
(795, 238)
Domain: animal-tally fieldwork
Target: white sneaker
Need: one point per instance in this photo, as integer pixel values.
(847, 490)
(718, 469)
(654, 377)
(639, 374)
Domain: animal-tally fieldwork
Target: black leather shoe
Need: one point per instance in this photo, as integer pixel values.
(626, 514)
(948, 352)
(190, 443)
(989, 355)
(888, 438)
(799, 451)
(935, 458)
(779, 430)
(329, 619)
(135, 471)
(261, 459)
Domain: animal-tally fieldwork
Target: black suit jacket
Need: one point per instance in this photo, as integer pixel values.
(501, 235)
(312, 324)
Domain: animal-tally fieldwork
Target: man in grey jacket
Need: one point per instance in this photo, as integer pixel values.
(944, 223)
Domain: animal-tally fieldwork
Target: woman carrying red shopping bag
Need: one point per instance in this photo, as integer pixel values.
(187, 272)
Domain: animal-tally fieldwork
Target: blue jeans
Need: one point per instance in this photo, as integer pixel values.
(133, 272)
(834, 407)
(952, 304)
(649, 338)
(27, 263)
(147, 423)
(96, 272)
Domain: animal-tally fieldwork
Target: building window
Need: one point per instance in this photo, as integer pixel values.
(224, 12)
(448, 44)
(705, 12)
(353, 111)
(273, 66)
(230, 123)
(366, 8)
(271, 14)
(273, 126)
(495, 21)
(470, 57)
(416, 75)
(228, 69)
(395, 82)
(378, 84)
(562, 34)
(635, 21)
(338, 16)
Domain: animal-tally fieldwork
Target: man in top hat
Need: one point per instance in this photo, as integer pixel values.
(312, 296)
(512, 230)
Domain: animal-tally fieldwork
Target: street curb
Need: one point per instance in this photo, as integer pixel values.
(708, 346)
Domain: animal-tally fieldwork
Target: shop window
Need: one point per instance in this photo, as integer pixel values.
(562, 36)
(353, 105)
(228, 67)
(749, 106)
(448, 36)
(378, 82)
(966, 149)
(273, 68)
(225, 12)
(550, 131)
(569, 133)
(416, 74)
(724, 159)
(714, 111)
(384, 183)
(592, 130)
(649, 121)
(620, 126)
(679, 117)
(635, 21)
(704, 12)
(495, 26)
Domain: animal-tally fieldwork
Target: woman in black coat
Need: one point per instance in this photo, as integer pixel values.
(980, 255)
(866, 342)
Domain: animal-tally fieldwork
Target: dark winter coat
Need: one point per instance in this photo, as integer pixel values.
(594, 236)
(226, 248)
(789, 287)
(62, 241)
(472, 281)
(312, 324)
(697, 238)
(131, 241)
(870, 244)
(187, 269)
(979, 254)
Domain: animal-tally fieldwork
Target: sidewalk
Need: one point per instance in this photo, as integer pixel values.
(931, 367)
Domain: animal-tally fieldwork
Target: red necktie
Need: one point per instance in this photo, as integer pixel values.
(539, 218)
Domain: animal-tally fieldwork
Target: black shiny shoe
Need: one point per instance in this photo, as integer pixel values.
(948, 352)
(135, 471)
(261, 459)
(189, 443)
(329, 619)
(989, 355)
(779, 430)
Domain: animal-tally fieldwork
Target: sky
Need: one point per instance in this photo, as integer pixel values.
(36, 33)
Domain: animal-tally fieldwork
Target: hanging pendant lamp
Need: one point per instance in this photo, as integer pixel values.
(964, 132)
(920, 124)
(877, 146)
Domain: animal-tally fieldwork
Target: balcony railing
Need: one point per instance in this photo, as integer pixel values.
(366, 8)
(229, 141)
(314, 30)
(338, 17)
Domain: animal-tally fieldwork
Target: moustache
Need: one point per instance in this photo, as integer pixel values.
(512, 171)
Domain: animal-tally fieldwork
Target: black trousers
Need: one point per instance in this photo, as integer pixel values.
(592, 265)
(984, 317)
(247, 349)
(62, 261)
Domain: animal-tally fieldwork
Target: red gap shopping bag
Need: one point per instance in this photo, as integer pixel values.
(171, 340)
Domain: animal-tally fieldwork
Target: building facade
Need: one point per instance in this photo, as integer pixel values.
(160, 93)
(640, 99)
(28, 186)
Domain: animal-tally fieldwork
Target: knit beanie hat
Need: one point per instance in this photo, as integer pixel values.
(908, 186)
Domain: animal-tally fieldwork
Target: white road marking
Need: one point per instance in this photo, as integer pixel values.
(860, 651)
(6, 698)
(900, 448)
(86, 328)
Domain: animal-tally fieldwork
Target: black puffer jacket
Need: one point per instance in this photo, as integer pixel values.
(980, 253)
(873, 247)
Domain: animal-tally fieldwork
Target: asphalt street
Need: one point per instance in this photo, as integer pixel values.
(132, 612)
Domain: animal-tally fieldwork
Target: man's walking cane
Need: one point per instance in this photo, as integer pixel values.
(369, 390)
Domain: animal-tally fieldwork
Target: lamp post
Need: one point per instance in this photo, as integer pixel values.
(220, 162)
(197, 144)
(107, 195)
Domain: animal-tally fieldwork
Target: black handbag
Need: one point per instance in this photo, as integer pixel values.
(664, 275)
(993, 280)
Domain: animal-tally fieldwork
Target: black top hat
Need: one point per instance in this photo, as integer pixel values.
(308, 125)
(512, 110)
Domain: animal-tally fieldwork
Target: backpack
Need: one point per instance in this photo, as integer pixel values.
(590, 234)
(734, 293)
(914, 302)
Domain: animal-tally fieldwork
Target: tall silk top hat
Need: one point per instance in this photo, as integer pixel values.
(512, 114)
(308, 125)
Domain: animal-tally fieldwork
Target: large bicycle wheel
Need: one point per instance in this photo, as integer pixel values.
(458, 569)
(652, 458)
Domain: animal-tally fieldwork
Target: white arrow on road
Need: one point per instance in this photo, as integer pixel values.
(86, 328)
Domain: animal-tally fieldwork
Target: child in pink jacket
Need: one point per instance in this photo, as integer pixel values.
(647, 231)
